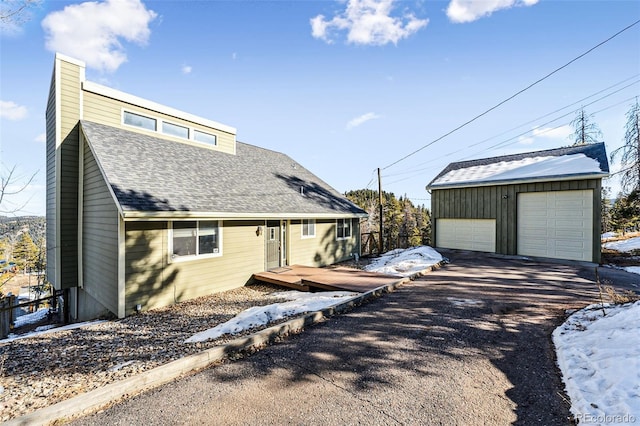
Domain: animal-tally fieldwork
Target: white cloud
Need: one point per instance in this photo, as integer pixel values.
(186, 69)
(461, 11)
(559, 133)
(367, 22)
(92, 31)
(42, 137)
(12, 111)
(362, 119)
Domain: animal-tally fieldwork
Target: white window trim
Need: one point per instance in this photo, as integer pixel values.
(178, 259)
(158, 123)
(350, 222)
(171, 123)
(191, 131)
(309, 221)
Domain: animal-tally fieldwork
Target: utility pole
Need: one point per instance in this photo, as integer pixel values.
(381, 243)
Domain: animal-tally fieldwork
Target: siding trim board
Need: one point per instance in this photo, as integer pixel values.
(131, 216)
(113, 194)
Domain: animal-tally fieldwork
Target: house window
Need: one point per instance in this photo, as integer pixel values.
(141, 121)
(195, 238)
(175, 130)
(208, 138)
(308, 228)
(343, 228)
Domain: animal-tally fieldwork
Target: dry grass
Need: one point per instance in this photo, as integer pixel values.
(622, 297)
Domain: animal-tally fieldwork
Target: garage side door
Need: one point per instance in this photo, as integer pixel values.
(466, 234)
(557, 224)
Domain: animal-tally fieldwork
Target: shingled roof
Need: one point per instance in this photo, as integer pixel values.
(151, 176)
(574, 162)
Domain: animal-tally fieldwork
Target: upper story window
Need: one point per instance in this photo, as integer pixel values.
(343, 228)
(165, 127)
(193, 238)
(199, 136)
(141, 121)
(308, 228)
(175, 130)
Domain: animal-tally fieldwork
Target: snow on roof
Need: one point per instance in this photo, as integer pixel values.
(525, 168)
(584, 161)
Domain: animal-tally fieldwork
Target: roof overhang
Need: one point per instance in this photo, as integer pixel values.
(182, 215)
(474, 184)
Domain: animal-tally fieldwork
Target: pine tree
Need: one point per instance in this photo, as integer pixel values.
(630, 150)
(584, 130)
(25, 252)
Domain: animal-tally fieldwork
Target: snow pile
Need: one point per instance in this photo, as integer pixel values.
(405, 262)
(609, 235)
(297, 303)
(599, 357)
(31, 318)
(623, 245)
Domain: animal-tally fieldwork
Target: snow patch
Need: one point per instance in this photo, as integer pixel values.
(31, 318)
(465, 302)
(405, 262)
(623, 245)
(297, 303)
(599, 356)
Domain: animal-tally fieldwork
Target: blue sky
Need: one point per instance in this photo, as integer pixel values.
(343, 87)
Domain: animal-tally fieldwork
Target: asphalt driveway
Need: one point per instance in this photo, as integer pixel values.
(467, 344)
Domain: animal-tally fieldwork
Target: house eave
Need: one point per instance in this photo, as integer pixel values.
(517, 181)
(182, 215)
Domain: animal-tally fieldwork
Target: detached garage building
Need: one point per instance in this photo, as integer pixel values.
(541, 204)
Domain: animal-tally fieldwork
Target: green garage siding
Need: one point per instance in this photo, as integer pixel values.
(499, 202)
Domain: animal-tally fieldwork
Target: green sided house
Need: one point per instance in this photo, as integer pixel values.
(540, 204)
(148, 206)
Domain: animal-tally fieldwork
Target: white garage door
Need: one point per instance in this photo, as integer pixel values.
(556, 224)
(466, 234)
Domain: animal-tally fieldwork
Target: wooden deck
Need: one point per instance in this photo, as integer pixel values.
(308, 278)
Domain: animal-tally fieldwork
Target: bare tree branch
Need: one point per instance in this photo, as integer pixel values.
(8, 180)
(15, 11)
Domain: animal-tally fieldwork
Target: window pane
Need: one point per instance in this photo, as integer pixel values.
(347, 228)
(175, 130)
(208, 237)
(308, 227)
(184, 238)
(139, 121)
(340, 227)
(204, 137)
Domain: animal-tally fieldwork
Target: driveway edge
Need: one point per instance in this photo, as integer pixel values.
(96, 399)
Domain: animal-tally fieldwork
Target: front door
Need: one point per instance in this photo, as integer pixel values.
(273, 245)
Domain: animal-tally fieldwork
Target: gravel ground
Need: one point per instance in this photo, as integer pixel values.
(467, 344)
(42, 370)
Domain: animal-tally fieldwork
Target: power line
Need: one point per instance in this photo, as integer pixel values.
(513, 96)
(415, 169)
(504, 142)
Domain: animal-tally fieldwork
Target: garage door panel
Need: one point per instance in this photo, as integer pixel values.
(466, 234)
(556, 224)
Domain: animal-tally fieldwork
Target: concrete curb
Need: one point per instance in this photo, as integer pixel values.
(96, 399)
